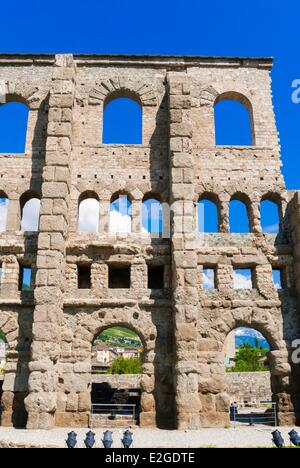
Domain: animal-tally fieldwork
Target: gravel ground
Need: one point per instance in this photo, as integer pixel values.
(241, 437)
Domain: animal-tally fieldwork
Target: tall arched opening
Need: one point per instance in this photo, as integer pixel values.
(248, 377)
(117, 360)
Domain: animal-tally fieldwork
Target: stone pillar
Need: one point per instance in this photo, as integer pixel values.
(139, 275)
(15, 385)
(285, 387)
(137, 208)
(289, 400)
(147, 410)
(41, 404)
(184, 257)
(13, 222)
(255, 220)
(10, 278)
(104, 214)
(264, 281)
(71, 278)
(224, 224)
(294, 218)
(224, 277)
(99, 276)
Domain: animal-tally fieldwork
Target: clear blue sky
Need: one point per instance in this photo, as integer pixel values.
(256, 28)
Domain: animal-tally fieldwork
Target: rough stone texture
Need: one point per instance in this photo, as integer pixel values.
(248, 387)
(131, 381)
(50, 329)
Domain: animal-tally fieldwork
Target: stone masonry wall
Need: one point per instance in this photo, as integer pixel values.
(248, 387)
(183, 326)
(242, 387)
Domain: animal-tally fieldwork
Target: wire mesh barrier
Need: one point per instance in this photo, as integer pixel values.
(263, 413)
(113, 413)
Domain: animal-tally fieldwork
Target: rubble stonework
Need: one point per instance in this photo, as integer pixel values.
(50, 329)
(249, 387)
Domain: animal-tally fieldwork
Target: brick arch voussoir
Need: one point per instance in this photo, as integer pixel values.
(131, 318)
(26, 92)
(208, 96)
(144, 92)
(267, 328)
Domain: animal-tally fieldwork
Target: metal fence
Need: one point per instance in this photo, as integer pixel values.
(113, 412)
(264, 413)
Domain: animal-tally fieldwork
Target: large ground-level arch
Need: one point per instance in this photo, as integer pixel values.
(75, 378)
(277, 328)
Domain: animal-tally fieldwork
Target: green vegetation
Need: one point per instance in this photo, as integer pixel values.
(126, 366)
(119, 336)
(2, 336)
(250, 359)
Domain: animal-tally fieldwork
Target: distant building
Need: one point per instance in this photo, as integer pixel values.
(129, 353)
(102, 357)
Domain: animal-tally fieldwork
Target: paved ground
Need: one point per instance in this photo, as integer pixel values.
(241, 437)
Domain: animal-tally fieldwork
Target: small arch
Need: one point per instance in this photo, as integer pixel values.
(152, 215)
(30, 205)
(234, 124)
(208, 210)
(241, 337)
(262, 328)
(120, 219)
(239, 214)
(122, 93)
(13, 125)
(88, 212)
(122, 119)
(270, 214)
(4, 201)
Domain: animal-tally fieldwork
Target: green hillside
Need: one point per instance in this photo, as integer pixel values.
(119, 336)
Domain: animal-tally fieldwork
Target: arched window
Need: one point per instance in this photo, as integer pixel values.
(239, 218)
(122, 121)
(152, 221)
(88, 213)
(120, 215)
(208, 216)
(233, 121)
(30, 213)
(13, 127)
(117, 350)
(269, 215)
(3, 211)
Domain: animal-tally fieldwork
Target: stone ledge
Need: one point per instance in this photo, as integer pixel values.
(13, 445)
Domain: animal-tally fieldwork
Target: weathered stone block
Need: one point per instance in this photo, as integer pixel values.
(72, 402)
(72, 419)
(148, 420)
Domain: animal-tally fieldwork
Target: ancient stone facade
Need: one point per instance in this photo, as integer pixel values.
(249, 387)
(183, 327)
